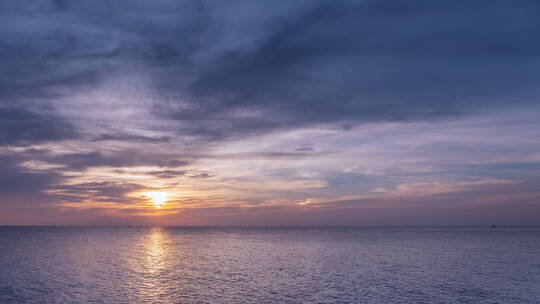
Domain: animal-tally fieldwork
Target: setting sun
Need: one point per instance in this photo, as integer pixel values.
(157, 198)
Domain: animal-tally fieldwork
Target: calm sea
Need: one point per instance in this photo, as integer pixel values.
(269, 265)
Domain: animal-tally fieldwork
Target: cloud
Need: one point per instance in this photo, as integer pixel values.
(20, 126)
(379, 190)
(468, 192)
(475, 203)
(132, 138)
(167, 173)
(22, 187)
(305, 147)
(240, 69)
(123, 158)
(96, 191)
(364, 62)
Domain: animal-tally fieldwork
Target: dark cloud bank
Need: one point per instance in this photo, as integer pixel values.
(254, 67)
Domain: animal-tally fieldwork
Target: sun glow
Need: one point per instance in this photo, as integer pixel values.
(157, 198)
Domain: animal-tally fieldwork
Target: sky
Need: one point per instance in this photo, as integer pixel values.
(269, 113)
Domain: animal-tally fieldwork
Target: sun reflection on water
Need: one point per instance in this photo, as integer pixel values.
(154, 277)
(155, 249)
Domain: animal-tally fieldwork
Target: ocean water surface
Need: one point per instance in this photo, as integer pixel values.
(269, 265)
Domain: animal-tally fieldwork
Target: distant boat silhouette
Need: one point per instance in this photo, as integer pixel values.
(493, 226)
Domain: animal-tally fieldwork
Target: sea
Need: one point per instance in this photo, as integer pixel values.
(269, 265)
